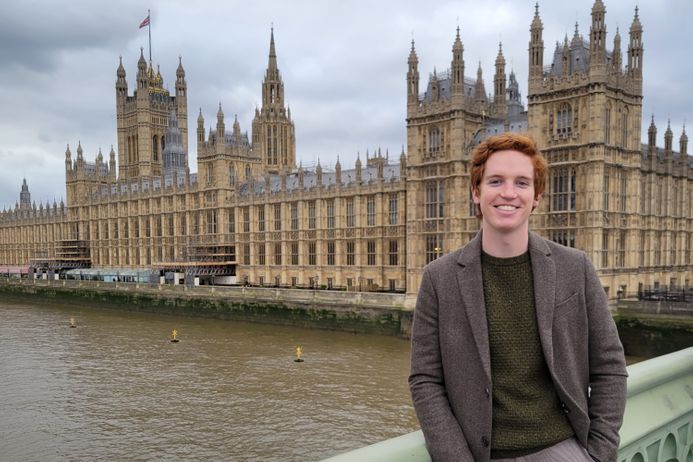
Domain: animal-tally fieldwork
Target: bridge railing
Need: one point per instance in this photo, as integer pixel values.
(657, 425)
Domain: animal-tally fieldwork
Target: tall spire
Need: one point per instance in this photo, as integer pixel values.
(413, 77)
(457, 66)
(635, 47)
(536, 46)
(499, 82)
(272, 87)
(479, 89)
(272, 64)
(598, 34)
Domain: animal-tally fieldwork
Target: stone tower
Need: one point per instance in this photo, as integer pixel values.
(142, 119)
(25, 197)
(274, 139)
(585, 113)
(442, 125)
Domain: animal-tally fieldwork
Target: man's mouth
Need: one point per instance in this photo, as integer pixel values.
(507, 208)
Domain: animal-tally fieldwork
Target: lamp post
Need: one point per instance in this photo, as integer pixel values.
(437, 251)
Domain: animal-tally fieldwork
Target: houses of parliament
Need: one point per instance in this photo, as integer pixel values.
(250, 215)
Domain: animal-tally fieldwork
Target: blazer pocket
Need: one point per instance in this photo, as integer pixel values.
(566, 306)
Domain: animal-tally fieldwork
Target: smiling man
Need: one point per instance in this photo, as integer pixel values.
(515, 355)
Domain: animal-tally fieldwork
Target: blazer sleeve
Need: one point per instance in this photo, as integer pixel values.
(607, 372)
(445, 440)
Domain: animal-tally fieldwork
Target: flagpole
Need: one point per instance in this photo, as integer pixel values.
(149, 28)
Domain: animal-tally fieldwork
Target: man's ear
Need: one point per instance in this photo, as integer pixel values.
(535, 204)
(475, 196)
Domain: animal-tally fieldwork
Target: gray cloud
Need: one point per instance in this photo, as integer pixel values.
(343, 63)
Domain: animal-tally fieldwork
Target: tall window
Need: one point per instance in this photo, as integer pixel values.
(564, 237)
(350, 253)
(311, 215)
(434, 247)
(277, 217)
(246, 219)
(232, 176)
(621, 249)
(564, 120)
(607, 124)
(350, 221)
(394, 252)
(277, 253)
(606, 192)
(563, 189)
(261, 253)
(330, 213)
(433, 201)
(370, 252)
(605, 248)
(294, 253)
(641, 250)
(210, 173)
(623, 193)
(294, 216)
(392, 206)
(311, 253)
(370, 210)
(155, 148)
(261, 218)
(435, 141)
(248, 172)
(246, 254)
(330, 253)
(211, 221)
(232, 221)
(624, 128)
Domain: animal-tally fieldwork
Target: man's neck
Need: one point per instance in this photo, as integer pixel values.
(502, 245)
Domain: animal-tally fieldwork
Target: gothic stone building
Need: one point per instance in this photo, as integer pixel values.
(250, 216)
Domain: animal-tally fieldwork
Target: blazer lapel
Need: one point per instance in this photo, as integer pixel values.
(544, 275)
(470, 285)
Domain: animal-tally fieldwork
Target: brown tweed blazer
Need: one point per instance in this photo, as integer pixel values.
(450, 377)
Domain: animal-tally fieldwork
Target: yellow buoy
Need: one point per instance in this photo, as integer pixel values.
(174, 336)
(299, 351)
(72, 323)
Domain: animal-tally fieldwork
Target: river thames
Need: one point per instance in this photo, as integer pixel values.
(116, 388)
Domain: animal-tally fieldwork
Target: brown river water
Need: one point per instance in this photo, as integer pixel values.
(116, 388)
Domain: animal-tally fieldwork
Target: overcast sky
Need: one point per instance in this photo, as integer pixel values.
(343, 63)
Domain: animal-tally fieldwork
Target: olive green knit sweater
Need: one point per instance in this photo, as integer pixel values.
(527, 415)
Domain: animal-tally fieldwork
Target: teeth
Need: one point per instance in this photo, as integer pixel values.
(506, 207)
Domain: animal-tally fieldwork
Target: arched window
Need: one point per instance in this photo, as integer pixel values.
(435, 141)
(607, 124)
(248, 172)
(232, 175)
(564, 120)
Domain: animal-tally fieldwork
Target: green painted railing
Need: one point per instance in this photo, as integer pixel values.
(657, 425)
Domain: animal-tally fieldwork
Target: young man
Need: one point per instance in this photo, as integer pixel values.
(515, 355)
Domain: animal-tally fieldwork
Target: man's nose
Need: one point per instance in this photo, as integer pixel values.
(508, 190)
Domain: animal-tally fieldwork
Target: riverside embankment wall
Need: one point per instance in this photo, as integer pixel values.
(367, 312)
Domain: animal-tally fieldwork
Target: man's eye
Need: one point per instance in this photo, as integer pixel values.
(494, 182)
(523, 184)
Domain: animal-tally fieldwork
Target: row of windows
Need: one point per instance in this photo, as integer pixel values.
(330, 209)
(329, 257)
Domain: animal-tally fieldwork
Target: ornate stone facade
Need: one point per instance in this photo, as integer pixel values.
(249, 215)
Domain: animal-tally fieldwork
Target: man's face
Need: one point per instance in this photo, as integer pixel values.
(506, 192)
